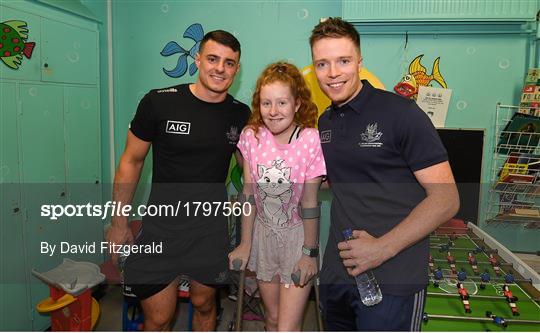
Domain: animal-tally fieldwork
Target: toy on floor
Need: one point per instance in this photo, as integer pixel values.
(71, 304)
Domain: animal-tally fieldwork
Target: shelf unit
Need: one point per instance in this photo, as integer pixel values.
(514, 195)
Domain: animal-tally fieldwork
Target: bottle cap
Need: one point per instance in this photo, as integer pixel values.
(347, 233)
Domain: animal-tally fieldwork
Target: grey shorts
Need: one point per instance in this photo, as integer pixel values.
(275, 251)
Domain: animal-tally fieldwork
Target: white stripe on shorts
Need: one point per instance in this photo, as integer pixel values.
(417, 312)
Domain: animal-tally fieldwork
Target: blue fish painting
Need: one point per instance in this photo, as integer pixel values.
(194, 32)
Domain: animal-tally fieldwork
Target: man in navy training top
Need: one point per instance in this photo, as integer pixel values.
(391, 182)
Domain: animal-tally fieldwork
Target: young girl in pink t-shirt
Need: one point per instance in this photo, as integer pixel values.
(283, 168)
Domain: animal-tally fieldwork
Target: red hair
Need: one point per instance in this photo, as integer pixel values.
(290, 75)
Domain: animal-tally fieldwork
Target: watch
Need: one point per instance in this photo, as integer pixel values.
(310, 252)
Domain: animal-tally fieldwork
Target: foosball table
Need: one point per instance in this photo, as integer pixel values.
(476, 284)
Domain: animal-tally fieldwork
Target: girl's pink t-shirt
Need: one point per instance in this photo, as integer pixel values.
(279, 172)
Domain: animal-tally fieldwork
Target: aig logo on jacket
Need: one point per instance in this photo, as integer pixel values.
(177, 127)
(371, 137)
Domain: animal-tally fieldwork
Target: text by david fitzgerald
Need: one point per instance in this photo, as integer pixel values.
(99, 247)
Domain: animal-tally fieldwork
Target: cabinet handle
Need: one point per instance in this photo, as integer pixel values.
(16, 210)
(46, 65)
(63, 194)
(97, 182)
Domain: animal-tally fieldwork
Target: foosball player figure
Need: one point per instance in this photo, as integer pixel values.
(438, 275)
(496, 319)
(444, 248)
(462, 275)
(511, 299)
(509, 278)
(484, 278)
(453, 238)
(493, 261)
(451, 262)
(473, 263)
(479, 249)
(431, 264)
(464, 295)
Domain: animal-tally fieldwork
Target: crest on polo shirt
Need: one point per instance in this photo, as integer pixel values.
(371, 136)
(232, 135)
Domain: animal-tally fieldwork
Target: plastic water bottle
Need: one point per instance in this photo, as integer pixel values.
(367, 285)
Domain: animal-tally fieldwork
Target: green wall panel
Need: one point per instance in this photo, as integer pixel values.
(43, 158)
(13, 273)
(74, 6)
(99, 9)
(434, 10)
(73, 58)
(481, 67)
(44, 10)
(481, 70)
(42, 134)
(83, 183)
(82, 144)
(29, 69)
(50, 151)
(268, 31)
(9, 152)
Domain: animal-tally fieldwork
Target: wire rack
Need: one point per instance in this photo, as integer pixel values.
(514, 196)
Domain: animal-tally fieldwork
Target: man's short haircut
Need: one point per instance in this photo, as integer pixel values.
(224, 38)
(334, 27)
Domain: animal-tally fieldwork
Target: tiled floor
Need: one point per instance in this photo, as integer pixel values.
(111, 314)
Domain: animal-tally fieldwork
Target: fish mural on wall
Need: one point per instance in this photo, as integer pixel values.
(194, 32)
(13, 45)
(417, 76)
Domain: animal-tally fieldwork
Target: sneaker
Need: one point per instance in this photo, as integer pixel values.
(233, 293)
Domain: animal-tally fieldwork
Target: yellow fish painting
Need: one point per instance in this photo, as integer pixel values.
(417, 76)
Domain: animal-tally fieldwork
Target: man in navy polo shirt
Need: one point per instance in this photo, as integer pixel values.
(391, 181)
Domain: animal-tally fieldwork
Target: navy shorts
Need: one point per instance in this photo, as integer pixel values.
(342, 310)
(202, 257)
